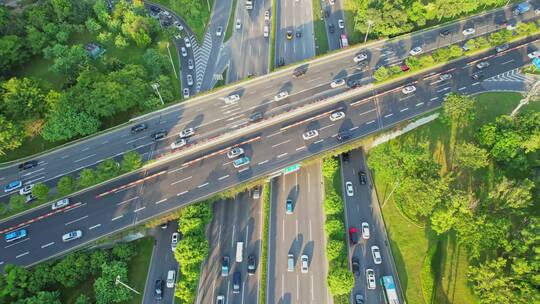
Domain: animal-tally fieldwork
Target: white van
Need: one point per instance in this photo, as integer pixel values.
(171, 276)
(239, 251)
(290, 262)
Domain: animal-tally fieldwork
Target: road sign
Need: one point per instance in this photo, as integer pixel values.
(291, 169)
(536, 62)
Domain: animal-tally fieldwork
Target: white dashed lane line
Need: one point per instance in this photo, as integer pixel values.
(94, 227)
(139, 209)
(263, 162)
(281, 143)
(476, 83)
(22, 254)
(160, 201)
(181, 193)
(117, 218)
(419, 104)
(282, 155)
(47, 245)
(434, 98)
(203, 185)
(74, 221)
(318, 141)
(403, 110)
(301, 148)
(388, 115)
(182, 180)
(223, 177)
(462, 88)
(246, 168)
(370, 122)
(86, 157)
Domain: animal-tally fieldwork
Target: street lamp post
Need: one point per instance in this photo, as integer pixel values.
(117, 281)
(156, 87)
(369, 24)
(172, 63)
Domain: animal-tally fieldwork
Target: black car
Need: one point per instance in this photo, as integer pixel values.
(27, 165)
(358, 299)
(252, 265)
(255, 117)
(281, 62)
(298, 72)
(139, 128)
(331, 28)
(346, 157)
(355, 266)
(326, 13)
(298, 34)
(362, 177)
(353, 83)
(159, 135)
(158, 292)
(362, 65)
(343, 136)
(444, 33)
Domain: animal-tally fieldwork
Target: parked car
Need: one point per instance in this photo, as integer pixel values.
(365, 230)
(355, 262)
(353, 235)
(376, 252)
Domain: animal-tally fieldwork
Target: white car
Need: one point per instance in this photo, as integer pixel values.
(238, 24)
(341, 24)
(370, 279)
(60, 204)
(445, 76)
(349, 188)
(310, 134)
(231, 99)
(304, 261)
(281, 96)
(187, 132)
(73, 235)
(332, 2)
(178, 25)
(337, 83)
(189, 79)
(365, 230)
(469, 31)
(234, 152)
(482, 65)
(337, 116)
(26, 189)
(267, 15)
(187, 42)
(511, 26)
(415, 51)
(179, 143)
(185, 93)
(376, 252)
(408, 89)
(219, 31)
(183, 51)
(534, 54)
(190, 64)
(360, 57)
(174, 240)
(266, 31)
(220, 299)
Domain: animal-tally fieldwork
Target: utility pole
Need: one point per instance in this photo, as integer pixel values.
(172, 63)
(155, 85)
(369, 24)
(117, 281)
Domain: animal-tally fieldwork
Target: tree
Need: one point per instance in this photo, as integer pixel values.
(22, 99)
(93, 26)
(123, 252)
(512, 193)
(83, 299)
(68, 60)
(458, 110)
(41, 277)
(120, 42)
(87, 178)
(382, 73)
(131, 161)
(107, 169)
(340, 281)
(14, 281)
(16, 202)
(72, 270)
(41, 192)
(69, 124)
(334, 249)
(11, 135)
(12, 52)
(66, 185)
(155, 62)
(42, 297)
(105, 288)
(470, 156)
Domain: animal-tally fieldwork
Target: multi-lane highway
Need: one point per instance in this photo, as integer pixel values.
(211, 117)
(297, 231)
(235, 220)
(362, 208)
(334, 19)
(127, 201)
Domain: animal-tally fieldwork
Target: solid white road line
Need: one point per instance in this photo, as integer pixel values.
(47, 245)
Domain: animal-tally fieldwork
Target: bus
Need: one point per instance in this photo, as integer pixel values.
(343, 41)
(389, 290)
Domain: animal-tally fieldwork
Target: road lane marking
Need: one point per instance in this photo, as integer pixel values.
(177, 169)
(263, 162)
(462, 88)
(74, 221)
(403, 110)
(301, 148)
(1, 262)
(86, 157)
(30, 173)
(318, 141)
(10, 245)
(476, 83)
(419, 104)
(181, 193)
(35, 180)
(117, 218)
(363, 113)
(95, 226)
(246, 168)
(434, 98)
(404, 98)
(74, 207)
(370, 122)
(47, 245)
(22, 254)
(182, 180)
(134, 140)
(105, 142)
(281, 143)
(325, 127)
(443, 89)
(85, 149)
(353, 128)
(282, 155)
(160, 201)
(127, 201)
(64, 157)
(223, 177)
(273, 134)
(388, 115)
(139, 209)
(203, 185)
(512, 60)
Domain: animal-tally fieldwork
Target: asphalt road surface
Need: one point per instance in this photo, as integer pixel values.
(161, 262)
(298, 233)
(270, 145)
(334, 13)
(211, 117)
(235, 220)
(362, 207)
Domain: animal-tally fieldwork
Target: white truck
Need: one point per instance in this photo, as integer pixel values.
(239, 251)
(249, 4)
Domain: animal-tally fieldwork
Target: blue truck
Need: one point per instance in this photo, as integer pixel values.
(522, 8)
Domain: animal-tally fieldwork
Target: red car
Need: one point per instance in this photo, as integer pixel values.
(404, 67)
(353, 235)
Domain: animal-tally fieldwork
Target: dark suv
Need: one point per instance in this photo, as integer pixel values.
(355, 266)
(159, 135)
(27, 165)
(252, 265)
(362, 177)
(139, 128)
(158, 292)
(444, 33)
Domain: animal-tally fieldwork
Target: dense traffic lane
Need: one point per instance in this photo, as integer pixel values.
(362, 207)
(256, 96)
(299, 231)
(186, 179)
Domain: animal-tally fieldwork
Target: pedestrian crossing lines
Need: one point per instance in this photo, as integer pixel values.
(201, 57)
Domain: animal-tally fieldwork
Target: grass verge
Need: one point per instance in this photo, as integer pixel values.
(350, 7)
(138, 267)
(273, 37)
(319, 27)
(424, 259)
(230, 24)
(264, 250)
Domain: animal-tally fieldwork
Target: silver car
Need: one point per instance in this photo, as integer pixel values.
(73, 235)
(187, 42)
(60, 204)
(189, 79)
(234, 152)
(183, 51)
(190, 64)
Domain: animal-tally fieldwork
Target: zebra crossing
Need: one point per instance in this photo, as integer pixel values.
(201, 55)
(511, 76)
